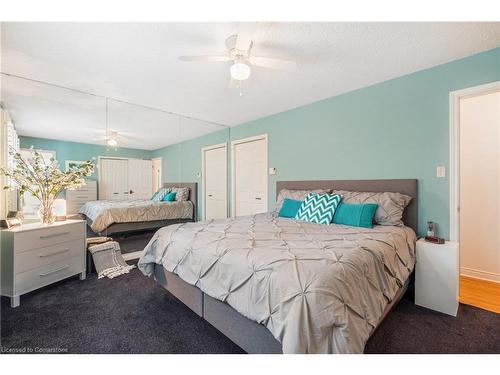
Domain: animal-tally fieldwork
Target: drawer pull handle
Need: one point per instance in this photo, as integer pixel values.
(82, 196)
(258, 198)
(54, 253)
(54, 235)
(53, 271)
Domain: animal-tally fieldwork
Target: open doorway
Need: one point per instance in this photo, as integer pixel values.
(475, 183)
(156, 165)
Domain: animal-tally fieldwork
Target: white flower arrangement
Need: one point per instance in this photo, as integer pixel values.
(44, 180)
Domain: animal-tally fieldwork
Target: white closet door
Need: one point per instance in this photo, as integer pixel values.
(113, 179)
(215, 182)
(140, 181)
(249, 176)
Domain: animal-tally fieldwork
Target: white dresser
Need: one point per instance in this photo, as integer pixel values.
(75, 199)
(436, 276)
(34, 255)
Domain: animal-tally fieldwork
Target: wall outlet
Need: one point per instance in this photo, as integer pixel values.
(440, 171)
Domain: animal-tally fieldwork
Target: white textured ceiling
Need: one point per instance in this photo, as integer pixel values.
(138, 63)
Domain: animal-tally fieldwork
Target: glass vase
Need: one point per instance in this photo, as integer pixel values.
(46, 214)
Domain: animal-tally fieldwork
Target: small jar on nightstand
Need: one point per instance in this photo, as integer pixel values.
(436, 276)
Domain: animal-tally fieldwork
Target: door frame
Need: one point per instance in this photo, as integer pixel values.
(161, 172)
(454, 142)
(203, 174)
(233, 174)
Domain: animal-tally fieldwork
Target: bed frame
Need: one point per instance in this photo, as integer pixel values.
(139, 226)
(253, 337)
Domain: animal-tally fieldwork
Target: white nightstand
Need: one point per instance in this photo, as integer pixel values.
(35, 255)
(436, 276)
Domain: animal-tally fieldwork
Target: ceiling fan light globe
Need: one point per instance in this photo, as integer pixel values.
(112, 142)
(240, 71)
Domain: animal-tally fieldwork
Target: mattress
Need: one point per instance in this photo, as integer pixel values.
(316, 288)
(104, 213)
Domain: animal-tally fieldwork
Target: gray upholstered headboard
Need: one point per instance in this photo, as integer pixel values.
(403, 186)
(193, 192)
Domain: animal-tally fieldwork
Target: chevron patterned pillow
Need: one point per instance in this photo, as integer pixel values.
(318, 208)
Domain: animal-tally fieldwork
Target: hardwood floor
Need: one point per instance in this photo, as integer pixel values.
(480, 293)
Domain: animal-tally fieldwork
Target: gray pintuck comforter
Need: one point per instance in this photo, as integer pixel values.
(317, 288)
(103, 213)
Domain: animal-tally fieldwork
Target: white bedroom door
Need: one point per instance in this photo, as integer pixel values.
(156, 177)
(113, 179)
(215, 181)
(249, 177)
(139, 179)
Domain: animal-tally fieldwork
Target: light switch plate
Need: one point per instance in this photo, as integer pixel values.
(272, 171)
(440, 171)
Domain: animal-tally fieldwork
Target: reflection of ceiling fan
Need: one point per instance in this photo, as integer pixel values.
(239, 52)
(112, 138)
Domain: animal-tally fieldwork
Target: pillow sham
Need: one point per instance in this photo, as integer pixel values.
(160, 194)
(182, 193)
(390, 205)
(296, 195)
(169, 197)
(318, 208)
(355, 215)
(289, 208)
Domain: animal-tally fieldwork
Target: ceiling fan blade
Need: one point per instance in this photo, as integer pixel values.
(246, 31)
(205, 58)
(278, 64)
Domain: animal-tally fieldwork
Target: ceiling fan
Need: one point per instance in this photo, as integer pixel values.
(239, 53)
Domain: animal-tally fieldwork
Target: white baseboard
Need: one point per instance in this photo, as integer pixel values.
(477, 274)
(133, 255)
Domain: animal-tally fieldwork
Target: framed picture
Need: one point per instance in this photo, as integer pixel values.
(14, 219)
(73, 164)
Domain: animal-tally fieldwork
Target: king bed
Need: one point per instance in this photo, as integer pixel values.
(279, 285)
(106, 217)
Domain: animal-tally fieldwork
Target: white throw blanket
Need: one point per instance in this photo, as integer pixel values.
(108, 260)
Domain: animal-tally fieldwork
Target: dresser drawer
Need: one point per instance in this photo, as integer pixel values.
(31, 259)
(73, 204)
(80, 199)
(48, 236)
(45, 275)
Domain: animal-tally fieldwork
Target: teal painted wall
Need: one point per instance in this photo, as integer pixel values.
(80, 151)
(394, 129)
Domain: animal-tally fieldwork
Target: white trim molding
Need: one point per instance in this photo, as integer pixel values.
(455, 97)
(477, 274)
(203, 175)
(233, 181)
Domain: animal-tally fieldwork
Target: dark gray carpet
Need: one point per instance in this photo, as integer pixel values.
(130, 314)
